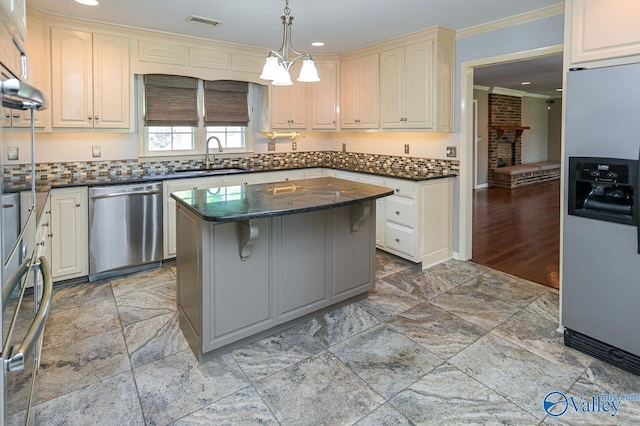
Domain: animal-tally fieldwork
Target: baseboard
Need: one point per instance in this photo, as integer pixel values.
(482, 186)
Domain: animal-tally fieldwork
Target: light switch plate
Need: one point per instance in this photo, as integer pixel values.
(451, 151)
(344, 147)
(294, 145)
(13, 153)
(96, 151)
(406, 148)
(271, 146)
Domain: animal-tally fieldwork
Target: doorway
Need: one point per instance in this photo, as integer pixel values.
(504, 213)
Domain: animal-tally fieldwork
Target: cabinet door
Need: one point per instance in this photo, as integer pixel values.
(368, 87)
(348, 94)
(280, 107)
(71, 78)
(38, 73)
(392, 84)
(111, 82)
(380, 209)
(324, 97)
(69, 226)
(604, 29)
(418, 89)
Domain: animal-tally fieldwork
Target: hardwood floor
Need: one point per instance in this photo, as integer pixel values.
(518, 231)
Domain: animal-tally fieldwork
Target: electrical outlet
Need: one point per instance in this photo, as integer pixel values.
(271, 146)
(406, 148)
(294, 145)
(96, 151)
(12, 153)
(344, 147)
(451, 151)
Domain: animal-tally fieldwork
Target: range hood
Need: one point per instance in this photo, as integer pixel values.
(19, 95)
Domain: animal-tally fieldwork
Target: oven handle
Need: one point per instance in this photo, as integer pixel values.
(120, 194)
(14, 280)
(15, 362)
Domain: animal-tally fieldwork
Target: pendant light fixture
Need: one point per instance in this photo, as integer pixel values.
(278, 63)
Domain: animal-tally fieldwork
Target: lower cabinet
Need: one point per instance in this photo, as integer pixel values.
(69, 236)
(414, 223)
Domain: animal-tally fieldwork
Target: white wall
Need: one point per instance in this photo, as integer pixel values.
(534, 140)
(555, 131)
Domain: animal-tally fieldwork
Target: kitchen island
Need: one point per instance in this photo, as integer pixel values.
(255, 259)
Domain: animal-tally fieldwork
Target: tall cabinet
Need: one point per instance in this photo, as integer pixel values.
(90, 80)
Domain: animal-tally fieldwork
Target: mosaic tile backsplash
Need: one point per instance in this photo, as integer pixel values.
(340, 160)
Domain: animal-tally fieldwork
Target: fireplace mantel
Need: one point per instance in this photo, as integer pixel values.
(501, 129)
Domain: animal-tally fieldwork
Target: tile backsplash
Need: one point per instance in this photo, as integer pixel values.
(135, 167)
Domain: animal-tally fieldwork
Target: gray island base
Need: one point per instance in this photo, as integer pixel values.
(255, 259)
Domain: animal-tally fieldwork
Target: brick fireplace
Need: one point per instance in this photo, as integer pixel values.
(505, 132)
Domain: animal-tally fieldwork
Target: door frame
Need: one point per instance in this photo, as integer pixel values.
(467, 163)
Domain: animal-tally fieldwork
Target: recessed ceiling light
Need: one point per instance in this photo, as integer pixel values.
(317, 43)
(525, 83)
(88, 2)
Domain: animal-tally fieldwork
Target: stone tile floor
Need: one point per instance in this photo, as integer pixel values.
(455, 344)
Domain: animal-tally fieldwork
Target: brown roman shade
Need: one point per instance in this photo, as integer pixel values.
(225, 103)
(170, 100)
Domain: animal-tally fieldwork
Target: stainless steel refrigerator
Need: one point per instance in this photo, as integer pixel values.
(601, 260)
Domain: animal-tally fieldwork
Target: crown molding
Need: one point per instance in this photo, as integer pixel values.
(511, 21)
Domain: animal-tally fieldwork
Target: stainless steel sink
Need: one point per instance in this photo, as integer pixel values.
(210, 172)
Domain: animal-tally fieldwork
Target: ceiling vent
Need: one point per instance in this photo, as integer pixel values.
(202, 20)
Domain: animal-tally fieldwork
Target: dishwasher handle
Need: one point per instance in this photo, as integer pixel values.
(125, 193)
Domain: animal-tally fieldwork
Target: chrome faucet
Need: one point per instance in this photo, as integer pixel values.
(207, 163)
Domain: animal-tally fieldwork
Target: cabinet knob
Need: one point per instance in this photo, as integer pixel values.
(44, 225)
(397, 212)
(78, 204)
(50, 235)
(97, 118)
(397, 240)
(397, 189)
(89, 118)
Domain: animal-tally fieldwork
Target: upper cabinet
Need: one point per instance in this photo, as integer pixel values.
(406, 87)
(416, 75)
(359, 97)
(604, 30)
(16, 10)
(324, 101)
(90, 80)
(288, 105)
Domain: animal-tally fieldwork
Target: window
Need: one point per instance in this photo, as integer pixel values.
(180, 113)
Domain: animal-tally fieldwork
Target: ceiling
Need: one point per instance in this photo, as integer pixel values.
(341, 25)
(544, 74)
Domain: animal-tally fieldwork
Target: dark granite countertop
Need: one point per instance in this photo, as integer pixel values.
(244, 202)
(61, 182)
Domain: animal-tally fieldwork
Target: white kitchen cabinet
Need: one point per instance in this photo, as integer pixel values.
(169, 205)
(284, 175)
(288, 105)
(604, 29)
(16, 10)
(70, 236)
(90, 80)
(324, 101)
(359, 98)
(380, 207)
(37, 76)
(406, 87)
(244, 179)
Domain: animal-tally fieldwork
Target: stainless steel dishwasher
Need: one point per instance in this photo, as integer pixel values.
(125, 229)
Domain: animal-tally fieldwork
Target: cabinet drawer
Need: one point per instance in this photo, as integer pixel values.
(400, 238)
(400, 210)
(401, 189)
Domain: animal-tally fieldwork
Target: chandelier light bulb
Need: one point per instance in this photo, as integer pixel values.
(308, 73)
